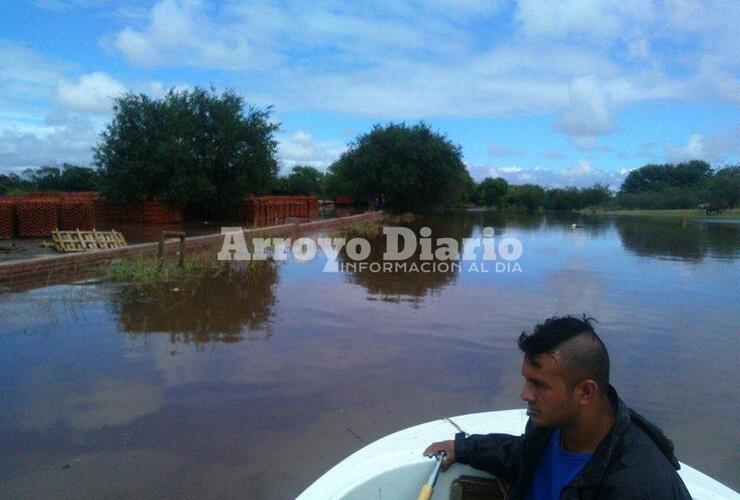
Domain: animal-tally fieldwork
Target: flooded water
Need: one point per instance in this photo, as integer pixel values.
(253, 387)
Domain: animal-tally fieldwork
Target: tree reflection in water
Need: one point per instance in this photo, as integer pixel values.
(411, 287)
(680, 239)
(232, 305)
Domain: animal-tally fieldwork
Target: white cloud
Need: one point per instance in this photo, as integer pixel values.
(184, 33)
(580, 60)
(580, 174)
(401, 61)
(62, 138)
(300, 148)
(714, 76)
(48, 118)
(580, 169)
(638, 49)
(26, 79)
(588, 114)
(715, 148)
(92, 92)
(599, 18)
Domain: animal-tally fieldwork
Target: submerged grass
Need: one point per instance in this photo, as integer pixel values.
(150, 270)
(397, 219)
(367, 230)
(371, 230)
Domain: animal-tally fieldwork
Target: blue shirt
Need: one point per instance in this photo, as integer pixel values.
(555, 469)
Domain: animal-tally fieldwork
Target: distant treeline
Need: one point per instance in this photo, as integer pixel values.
(684, 185)
(207, 151)
(67, 178)
(668, 186)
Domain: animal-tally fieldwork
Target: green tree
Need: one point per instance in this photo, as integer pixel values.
(15, 184)
(725, 186)
(466, 190)
(304, 180)
(195, 147)
(490, 191)
(75, 178)
(573, 198)
(562, 199)
(595, 195)
(527, 197)
(413, 167)
(5, 184)
(655, 178)
(45, 178)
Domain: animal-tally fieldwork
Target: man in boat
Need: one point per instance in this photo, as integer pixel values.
(581, 440)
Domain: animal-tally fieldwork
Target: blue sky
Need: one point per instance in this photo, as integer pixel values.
(558, 93)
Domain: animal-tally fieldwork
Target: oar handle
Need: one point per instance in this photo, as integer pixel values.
(426, 491)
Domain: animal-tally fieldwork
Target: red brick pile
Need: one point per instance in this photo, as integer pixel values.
(151, 212)
(76, 213)
(7, 218)
(37, 217)
(106, 212)
(271, 210)
(38, 214)
(160, 212)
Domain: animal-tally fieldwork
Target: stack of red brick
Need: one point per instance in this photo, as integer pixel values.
(77, 211)
(106, 211)
(269, 210)
(149, 212)
(160, 212)
(36, 215)
(7, 218)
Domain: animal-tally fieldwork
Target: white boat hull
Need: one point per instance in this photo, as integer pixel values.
(393, 467)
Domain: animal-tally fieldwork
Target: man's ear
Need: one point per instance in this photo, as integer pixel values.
(587, 390)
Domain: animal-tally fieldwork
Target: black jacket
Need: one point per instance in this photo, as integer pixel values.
(635, 460)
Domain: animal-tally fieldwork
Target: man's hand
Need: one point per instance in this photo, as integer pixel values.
(446, 446)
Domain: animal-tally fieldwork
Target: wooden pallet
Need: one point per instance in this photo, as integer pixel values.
(81, 241)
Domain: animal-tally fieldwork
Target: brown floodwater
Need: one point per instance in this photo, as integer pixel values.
(251, 385)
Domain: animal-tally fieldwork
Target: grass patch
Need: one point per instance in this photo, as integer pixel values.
(367, 230)
(150, 271)
(398, 219)
(732, 213)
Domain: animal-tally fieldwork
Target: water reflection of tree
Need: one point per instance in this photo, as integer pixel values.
(681, 239)
(412, 287)
(230, 306)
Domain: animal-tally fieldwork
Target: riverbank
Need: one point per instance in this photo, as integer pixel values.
(732, 213)
(51, 269)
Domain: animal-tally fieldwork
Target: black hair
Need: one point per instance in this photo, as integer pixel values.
(577, 344)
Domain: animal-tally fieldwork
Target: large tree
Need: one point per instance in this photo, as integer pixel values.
(202, 149)
(491, 191)
(683, 185)
(413, 167)
(528, 197)
(654, 178)
(725, 186)
(303, 180)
